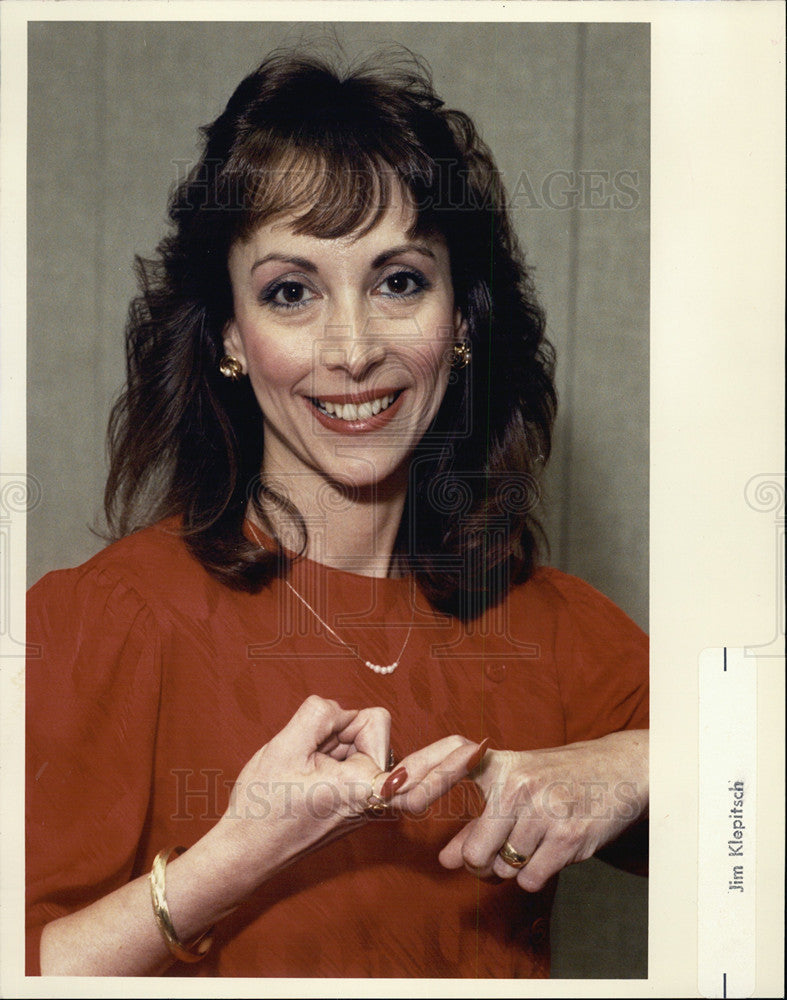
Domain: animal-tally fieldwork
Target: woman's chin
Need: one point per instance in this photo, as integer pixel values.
(356, 478)
(360, 479)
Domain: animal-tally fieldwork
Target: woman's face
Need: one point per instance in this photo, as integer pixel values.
(347, 343)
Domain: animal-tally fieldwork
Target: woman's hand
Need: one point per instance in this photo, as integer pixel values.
(318, 777)
(554, 807)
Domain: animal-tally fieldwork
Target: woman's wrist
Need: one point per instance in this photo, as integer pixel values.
(211, 879)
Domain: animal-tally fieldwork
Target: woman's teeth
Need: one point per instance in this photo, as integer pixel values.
(355, 411)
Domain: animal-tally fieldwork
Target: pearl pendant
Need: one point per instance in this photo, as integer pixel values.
(382, 670)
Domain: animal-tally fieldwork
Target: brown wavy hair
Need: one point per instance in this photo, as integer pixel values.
(300, 137)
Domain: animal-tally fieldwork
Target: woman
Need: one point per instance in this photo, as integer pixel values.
(324, 469)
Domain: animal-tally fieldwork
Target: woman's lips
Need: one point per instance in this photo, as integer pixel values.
(361, 424)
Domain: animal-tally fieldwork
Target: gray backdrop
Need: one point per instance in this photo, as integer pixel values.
(113, 111)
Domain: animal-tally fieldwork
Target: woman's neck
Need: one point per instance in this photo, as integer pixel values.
(352, 530)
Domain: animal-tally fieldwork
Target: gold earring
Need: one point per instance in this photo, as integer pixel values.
(230, 367)
(462, 354)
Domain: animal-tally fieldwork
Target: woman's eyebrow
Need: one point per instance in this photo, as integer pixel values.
(379, 261)
(301, 262)
(386, 255)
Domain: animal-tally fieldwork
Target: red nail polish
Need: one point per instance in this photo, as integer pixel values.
(475, 760)
(393, 782)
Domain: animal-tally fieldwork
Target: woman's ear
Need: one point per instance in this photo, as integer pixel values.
(460, 326)
(233, 344)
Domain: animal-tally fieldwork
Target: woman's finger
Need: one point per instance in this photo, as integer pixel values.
(329, 745)
(421, 762)
(415, 782)
(470, 848)
(370, 733)
(341, 751)
(478, 844)
(545, 862)
(433, 771)
(480, 848)
(315, 721)
(451, 855)
(519, 849)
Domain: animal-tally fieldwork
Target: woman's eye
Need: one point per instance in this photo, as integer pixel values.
(403, 284)
(287, 294)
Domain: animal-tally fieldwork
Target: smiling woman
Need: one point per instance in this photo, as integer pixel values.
(323, 486)
(314, 192)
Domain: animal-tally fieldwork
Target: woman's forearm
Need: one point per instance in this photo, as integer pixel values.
(118, 934)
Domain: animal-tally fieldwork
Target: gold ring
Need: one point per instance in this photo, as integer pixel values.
(375, 803)
(511, 856)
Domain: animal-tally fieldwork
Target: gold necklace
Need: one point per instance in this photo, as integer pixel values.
(376, 667)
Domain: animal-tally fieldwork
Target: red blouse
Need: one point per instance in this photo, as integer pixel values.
(153, 684)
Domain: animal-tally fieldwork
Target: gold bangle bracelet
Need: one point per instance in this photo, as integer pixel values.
(158, 894)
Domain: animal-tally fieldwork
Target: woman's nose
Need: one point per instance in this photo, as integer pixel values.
(357, 345)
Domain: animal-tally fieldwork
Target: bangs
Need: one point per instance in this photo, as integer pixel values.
(328, 193)
(330, 154)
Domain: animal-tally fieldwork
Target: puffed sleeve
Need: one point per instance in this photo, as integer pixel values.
(92, 695)
(602, 663)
